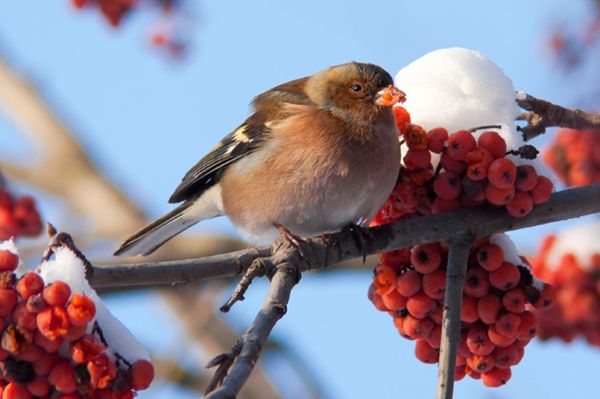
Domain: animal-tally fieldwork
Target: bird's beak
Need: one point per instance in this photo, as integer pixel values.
(389, 96)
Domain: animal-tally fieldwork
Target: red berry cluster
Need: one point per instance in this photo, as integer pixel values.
(48, 348)
(409, 284)
(575, 156)
(497, 323)
(18, 216)
(166, 35)
(577, 310)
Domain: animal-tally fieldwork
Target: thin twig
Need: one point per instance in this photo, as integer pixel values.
(543, 114)
(337, 247)
(273, 309)
(458, 257)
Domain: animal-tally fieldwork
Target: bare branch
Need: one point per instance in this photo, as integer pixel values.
(286, 260)
(458, 257)
(334, 248)
(543, 114)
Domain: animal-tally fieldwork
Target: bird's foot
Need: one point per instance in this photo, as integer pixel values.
(287, 238)
(362, 236)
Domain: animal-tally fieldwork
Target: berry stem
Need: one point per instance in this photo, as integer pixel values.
(458, 256)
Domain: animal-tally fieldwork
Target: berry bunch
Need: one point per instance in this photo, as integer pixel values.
(18, 216)
(497, 323)
(577, 282)
(575, 156)
(409, 284)
(51, 347)
(169, 31)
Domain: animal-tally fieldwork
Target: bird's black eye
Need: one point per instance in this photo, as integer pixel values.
(357, 87)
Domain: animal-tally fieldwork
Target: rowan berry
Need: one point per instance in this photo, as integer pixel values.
(435, 336)
(420, 305)
(496, 377)
(493, 142)
(415, 138)
(409, 283)
(53, 322)
(81, 310)
(394, 301)
(417, 159)
(447, 186)
(499, 339)
(542, 190)
(142, 374)
(402, 117)
(477, 283)
(473, 190)
(478, 342)
(49, 345)
(468, 310)
(30, 284)
(434, 284)
(8, 260)
(527, 178)
(39, 387)
(426, 258)
(417, 328)
(502, 173)
(437, 139)
(8, 300)
(514, 300)
(425, 352)
(490, 257)
(57, 293)
(481, 364)
(507, 276)
(488, 308)
(528, 326)
(499, 196)
(15, 391)
(459, 144)
(62, 377)
(506, 356)
(521, 205)
(452, 165)
(508, 325)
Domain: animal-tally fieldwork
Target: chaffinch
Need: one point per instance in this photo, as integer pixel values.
(318, 153)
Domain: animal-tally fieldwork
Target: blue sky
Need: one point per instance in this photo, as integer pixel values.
(147, 120)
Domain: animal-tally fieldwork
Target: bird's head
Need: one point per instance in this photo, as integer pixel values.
(354, 91)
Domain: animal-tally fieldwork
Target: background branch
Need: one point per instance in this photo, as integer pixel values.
(543, 114)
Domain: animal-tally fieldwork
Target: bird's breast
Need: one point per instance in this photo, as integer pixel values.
(311, 178)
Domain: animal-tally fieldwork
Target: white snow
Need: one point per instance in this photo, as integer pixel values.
(511, 254)
(458, 89)
(583, 241)
(67, 267)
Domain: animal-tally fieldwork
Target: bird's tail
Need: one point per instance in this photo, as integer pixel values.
(149, 238)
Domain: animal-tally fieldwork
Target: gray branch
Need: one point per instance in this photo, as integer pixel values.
(543, 114)
(332, 249)
(458, 257)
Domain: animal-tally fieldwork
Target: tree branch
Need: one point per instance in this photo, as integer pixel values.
(458, 257)
(332, 249)
(286, 261)
(543, 114)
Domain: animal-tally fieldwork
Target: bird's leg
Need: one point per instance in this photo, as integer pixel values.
(291, 239)
(362, 235)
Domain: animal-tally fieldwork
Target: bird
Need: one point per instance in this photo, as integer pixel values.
(317, 154)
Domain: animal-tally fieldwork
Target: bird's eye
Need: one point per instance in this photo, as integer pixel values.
(357, 87)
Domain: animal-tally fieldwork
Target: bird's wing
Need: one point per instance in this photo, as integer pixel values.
(268, 109)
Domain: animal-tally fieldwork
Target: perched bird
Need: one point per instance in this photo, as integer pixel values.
(318, 154)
